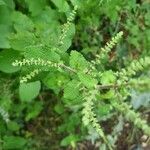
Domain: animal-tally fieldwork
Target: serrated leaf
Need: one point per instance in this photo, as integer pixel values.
(22, 22)
(36, 6)
(104, 109)
(87, 80)
(55, 80)
(47, 16)
(108, 77)
(6, 59)
(38, 52)
(22, 40)
(71, 90)
(62, 5)
(108, 95)
(77, 61)
(28, 91)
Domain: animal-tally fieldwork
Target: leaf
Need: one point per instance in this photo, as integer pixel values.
(78, 3)
(22, 40)
(59, 108)
(5, 15)
(34, 110)
(38, 52)
(22, 22)
(77, 61)
(36, 6)
(111, 11)
(13, 126)
(47, 16)
(6, 59)
(14, 142)
(10, 4)
(108, 77)
(108, 95)
(103, 109)
(70, 140)
(71, 91)
(2, 2)
(28, 91)
(62, 5)
(55, 80)
(87, 80)
(5, 31)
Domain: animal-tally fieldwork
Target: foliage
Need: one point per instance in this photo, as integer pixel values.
(54, 46)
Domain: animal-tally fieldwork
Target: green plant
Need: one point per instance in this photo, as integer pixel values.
(91, 85)
(88, 88)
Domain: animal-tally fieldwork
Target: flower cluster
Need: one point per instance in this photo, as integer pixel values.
(39, 63)
(35, 62)
(132, 116)
(109, 45)
(133, 68)
(4, 114)
(66, 26)
(89, 117)
(30, 76)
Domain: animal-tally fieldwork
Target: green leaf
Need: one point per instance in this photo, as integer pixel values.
(55, 80)
(5, 15)
(13, 126)
(6, 59)
(2, 2)
(28, 91)
(62, 5)
(104, 109)
(87, 80)
(36, 6)
(108, 95)
(112, 10)
(5, 31)
(59, 108)
(22, 40)
(34, 110)
(22, 22)
(70, 140)
(38, 52)
(71, 90)
(10, 4)
(48, 16)
(14, 142)
(78, 3)
(77, 61)
(108, 77)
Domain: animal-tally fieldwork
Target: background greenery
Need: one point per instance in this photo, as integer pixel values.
(38, 115)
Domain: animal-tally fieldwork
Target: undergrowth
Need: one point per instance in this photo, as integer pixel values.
(84, 84)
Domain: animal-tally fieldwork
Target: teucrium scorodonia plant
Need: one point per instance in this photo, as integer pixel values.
(91, 81)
